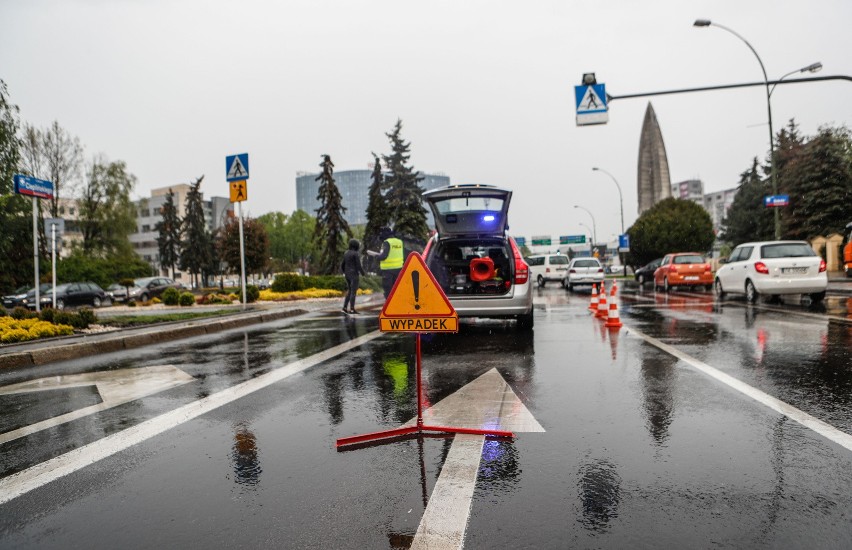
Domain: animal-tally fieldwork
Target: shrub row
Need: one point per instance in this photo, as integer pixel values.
(292, 282)
(81, 318)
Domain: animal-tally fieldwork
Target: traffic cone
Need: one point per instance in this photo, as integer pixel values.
(601, 312)
(594, 305)
(613, 322)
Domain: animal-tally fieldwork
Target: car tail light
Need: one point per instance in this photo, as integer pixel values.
(426, 250)
(600, 270)
(673, 268)
(522, 270)
(547, 270)
(572, 271)
(822, 266)
(707, 267)
(760, 267)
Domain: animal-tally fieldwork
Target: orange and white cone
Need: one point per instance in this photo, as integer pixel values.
(612, 320)
(601, 313)
(594, 305)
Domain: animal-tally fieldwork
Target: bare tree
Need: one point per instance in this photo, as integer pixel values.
(55, 155)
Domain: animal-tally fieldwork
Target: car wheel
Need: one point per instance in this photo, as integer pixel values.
(720, 292)
(60, 303)
(751, 293)
(640, 279)
(817, 297)
(541, 282)
(526, 321)
(143, 297)
(96, 302)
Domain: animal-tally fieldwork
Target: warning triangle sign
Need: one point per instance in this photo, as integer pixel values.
(416, 293)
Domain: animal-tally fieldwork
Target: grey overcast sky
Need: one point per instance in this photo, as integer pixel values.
(484, 89)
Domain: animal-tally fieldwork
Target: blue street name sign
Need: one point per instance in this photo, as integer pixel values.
(34, 187)
(774, 201)
(237, 167)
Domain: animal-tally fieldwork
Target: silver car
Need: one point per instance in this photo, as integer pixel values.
(583, 271)
(773, 268)
(478, 265)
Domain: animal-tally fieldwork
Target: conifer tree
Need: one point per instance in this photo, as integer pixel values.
(404, 195)
(747, 218)
(331, 228)
(168, 238)
(195, 249)
(16, 253)
(377, 212)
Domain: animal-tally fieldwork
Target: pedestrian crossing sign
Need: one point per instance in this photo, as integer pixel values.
(591, 104)
(237, 167)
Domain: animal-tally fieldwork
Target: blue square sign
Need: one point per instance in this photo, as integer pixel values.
(237, 167)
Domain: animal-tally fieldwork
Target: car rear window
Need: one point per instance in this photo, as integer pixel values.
(688, 260)
(559, 260)
(469, 204)
(786, 250)
(586, 263)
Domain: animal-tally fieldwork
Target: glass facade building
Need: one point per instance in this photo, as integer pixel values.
(354, 186)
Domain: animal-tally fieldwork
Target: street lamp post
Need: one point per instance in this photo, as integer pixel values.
(772, 172)
(591, 238)
(620, 196)
(594, 227)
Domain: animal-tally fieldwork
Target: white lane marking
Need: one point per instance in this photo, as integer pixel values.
(486, 403)
(115, 388)
(824, 429)
(445, 520)
(36, 476)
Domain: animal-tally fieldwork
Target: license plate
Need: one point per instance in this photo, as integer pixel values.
(691, 278)
(794, 270)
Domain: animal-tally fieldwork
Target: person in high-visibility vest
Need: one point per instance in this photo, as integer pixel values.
(391, 259)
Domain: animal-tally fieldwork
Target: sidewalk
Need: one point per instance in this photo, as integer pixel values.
(49, 350)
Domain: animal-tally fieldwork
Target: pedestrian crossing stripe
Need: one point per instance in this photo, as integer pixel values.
(590, 99)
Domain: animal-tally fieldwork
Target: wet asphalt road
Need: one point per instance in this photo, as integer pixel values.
(641, 449)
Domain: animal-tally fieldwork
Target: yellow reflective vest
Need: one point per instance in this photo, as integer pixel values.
(394, 259)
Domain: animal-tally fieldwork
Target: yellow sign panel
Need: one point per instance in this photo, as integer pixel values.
(239, 191)
(417, 303)
(419, 324)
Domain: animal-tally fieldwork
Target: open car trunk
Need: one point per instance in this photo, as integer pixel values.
(475, 267)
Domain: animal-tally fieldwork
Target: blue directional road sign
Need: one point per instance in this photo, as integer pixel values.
(773, 201)
(520, 241)
(236, 167)
(624, 243)
(591, 104)
(34, 187)
(572, 239)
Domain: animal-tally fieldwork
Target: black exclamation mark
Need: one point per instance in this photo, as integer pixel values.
(415, 279)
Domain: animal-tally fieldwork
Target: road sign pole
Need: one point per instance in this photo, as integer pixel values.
(53, 259)
(35, 253)
(419, 372)
(242, 253)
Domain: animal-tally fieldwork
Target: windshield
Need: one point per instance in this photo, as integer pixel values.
(559, 260)
(688, 260)
(469, 204)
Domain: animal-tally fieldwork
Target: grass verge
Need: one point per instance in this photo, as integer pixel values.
(123, 321)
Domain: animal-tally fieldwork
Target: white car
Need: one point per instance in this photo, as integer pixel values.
(583, 271)
(773, 268)
(545, 268)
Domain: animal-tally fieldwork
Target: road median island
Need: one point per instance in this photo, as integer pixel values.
(51, 351)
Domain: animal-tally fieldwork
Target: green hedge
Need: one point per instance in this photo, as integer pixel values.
(171, 296)
(292, 282)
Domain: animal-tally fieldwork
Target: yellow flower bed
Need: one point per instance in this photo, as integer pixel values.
(14, 330)
(272, 296)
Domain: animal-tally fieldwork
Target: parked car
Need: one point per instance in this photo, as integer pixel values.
(16, 298)
(152, 287)
(118, 293)
(479, 267)
(29, 299)
(545, 268)
(583, 271)
(773, 268)
(646, 272)
(683, 269)
(73, 294)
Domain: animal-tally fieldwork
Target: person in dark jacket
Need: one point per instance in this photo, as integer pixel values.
(352, 270)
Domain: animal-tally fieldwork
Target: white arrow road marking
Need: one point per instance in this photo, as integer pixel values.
(486, 403)
(115, 388)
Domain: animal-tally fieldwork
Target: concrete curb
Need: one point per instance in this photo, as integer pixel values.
(63, 352)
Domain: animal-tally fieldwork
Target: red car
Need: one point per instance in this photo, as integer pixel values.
(683, 269)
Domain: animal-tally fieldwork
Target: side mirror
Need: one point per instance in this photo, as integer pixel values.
(723, 260)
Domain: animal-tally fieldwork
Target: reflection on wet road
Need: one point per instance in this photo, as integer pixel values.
(641, 448)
